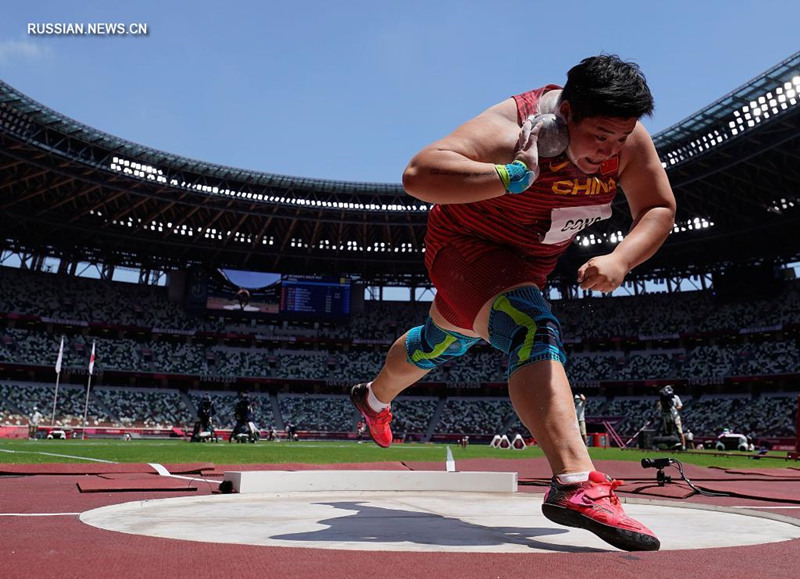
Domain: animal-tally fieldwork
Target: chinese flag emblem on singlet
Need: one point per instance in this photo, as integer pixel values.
(609, 166)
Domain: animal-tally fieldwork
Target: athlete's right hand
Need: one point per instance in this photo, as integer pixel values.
(527, 146)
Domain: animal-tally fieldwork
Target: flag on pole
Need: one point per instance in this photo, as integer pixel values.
(60, 356)
(91, 360)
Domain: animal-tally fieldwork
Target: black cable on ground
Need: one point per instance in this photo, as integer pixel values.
(662, 463)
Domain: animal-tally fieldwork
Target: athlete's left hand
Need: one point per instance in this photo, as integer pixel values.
(603, 273)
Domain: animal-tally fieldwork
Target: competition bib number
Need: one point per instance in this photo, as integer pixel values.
(567, 222)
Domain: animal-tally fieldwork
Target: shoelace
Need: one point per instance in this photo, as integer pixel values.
(612, 484)
(382, 417)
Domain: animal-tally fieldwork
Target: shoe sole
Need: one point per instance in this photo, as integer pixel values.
(619, 538)
(355, 401)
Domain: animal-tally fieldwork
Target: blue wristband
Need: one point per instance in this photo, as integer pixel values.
(516, 176)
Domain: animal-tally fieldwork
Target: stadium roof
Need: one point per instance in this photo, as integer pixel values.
(74, 192)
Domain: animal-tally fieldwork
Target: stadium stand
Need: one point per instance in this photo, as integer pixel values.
(708, 348)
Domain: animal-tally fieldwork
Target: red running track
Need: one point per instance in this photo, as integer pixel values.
(61, 546)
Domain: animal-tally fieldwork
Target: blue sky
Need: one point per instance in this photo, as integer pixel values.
(350, 90)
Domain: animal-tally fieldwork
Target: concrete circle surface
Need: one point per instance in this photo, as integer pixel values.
(420, 521)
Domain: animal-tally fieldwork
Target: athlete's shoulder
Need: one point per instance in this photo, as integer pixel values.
(638, 149)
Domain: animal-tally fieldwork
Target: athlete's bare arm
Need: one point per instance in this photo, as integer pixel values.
(650, 198)
(652, 207)
(460, 168)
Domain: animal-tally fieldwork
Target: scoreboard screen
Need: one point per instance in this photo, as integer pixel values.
(243, 292)
(315, 295)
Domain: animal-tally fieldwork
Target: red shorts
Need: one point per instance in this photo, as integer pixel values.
(463, 288)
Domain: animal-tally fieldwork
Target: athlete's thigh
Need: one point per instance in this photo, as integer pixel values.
(440, 321)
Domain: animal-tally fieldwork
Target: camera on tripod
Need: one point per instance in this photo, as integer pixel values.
(660, 464)
(657, 462)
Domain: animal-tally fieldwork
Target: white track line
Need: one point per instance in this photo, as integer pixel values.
(61, 455)
(158, 467)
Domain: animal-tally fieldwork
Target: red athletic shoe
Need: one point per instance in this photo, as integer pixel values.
(377, 422)
(592, 505)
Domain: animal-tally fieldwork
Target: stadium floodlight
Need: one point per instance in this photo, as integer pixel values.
(776, 100)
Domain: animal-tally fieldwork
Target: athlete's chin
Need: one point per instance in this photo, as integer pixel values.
(587, 166)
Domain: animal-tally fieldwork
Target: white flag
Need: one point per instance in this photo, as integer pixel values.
(60, 356)
(91, 361)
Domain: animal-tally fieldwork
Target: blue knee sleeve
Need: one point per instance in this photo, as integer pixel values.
(522, 325)
(430, 346)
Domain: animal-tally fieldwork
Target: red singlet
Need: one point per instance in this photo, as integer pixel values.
(531, 230)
